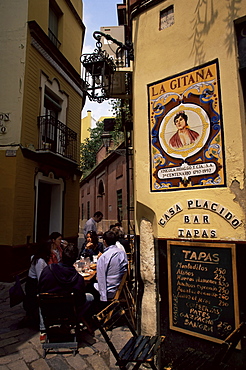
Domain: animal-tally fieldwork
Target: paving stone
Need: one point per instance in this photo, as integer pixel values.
(27, 336)
(97, 362)
(39, 365)
(86, 351)
(3, 329)
(4, 313)
(86, 337)
(120, 337)
(112, 362)
(29, 354)
(16, 347)
(20, 347)
(13, 333)
(18, 365)
(77, 362)
(101, 347)
(10, 358)
(7, 342)
(35, 342)
(57, 363)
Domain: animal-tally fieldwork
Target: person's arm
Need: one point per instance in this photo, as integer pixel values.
(40, 265)
(101, 279)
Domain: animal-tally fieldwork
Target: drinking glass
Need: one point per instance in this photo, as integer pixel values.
(87, 264)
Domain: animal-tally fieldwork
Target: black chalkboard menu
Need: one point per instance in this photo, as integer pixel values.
(202, 281)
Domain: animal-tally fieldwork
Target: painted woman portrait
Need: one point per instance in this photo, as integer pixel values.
(184, 135)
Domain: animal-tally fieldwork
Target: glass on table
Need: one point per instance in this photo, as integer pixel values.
(87, 264)
(95, 259)
(79, 265)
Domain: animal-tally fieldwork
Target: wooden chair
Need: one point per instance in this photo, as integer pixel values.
(125, 297)
(192, 359)
(120, 287)
(139, 349)
(60, 320)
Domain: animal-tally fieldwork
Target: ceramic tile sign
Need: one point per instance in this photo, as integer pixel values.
(202, 287)
(185, 130)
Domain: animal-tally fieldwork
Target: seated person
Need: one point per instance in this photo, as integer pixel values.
(63, 278)
(91, 247)
(111, 267)
(56, 248)
(121, 242)
(39, 261)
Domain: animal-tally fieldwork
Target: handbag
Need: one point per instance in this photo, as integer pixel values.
(16, 293)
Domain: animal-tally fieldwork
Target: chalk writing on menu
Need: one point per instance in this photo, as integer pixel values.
(202, 282)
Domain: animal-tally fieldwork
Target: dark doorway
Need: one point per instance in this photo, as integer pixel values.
(43, 213)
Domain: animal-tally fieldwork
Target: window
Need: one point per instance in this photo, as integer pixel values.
(88, 210)
(119, 205)
(54, 15)
(54, 136)
(82, 211)
(101, 191)
(166, 18)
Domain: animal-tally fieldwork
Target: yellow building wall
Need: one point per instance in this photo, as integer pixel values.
(8, 179)
(198, 35)
(85, 125)
(34, 67)
(67, 27)
(21, 75)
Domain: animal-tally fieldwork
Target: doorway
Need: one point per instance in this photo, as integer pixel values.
(43, 212)
(49, 206)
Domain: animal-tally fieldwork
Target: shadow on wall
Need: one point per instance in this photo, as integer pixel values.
(205, 16)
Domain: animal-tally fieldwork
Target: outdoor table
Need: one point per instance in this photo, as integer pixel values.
(88, 275)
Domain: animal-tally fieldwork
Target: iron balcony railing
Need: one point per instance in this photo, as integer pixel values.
(54, 39)
(56, 137)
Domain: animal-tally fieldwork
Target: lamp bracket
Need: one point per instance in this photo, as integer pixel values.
(127, 46)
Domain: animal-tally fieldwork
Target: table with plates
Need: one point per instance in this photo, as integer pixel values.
(88, 274)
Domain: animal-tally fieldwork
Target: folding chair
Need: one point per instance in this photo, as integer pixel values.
(124, 296)
(139, 349)
(60, 320)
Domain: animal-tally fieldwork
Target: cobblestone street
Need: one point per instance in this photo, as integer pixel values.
(20, 348)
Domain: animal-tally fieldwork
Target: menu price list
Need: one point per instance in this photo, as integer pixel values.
(202, 289)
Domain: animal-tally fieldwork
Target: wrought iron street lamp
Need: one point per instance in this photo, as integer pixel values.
(99, 68)
(106, 139)
(98, 71)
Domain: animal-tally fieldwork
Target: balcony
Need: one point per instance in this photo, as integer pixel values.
(56, 137)
(54, 39)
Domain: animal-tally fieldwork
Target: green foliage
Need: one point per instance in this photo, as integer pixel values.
(122, 112)
(91, 145)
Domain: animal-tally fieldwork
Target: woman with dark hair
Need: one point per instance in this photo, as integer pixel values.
(56, 249)
(184, 135)
(91, 247)
(38, 262)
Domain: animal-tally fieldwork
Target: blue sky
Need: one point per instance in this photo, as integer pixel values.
(96, 14)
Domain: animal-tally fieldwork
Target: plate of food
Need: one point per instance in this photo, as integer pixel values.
(93, 266)
(84, 274)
